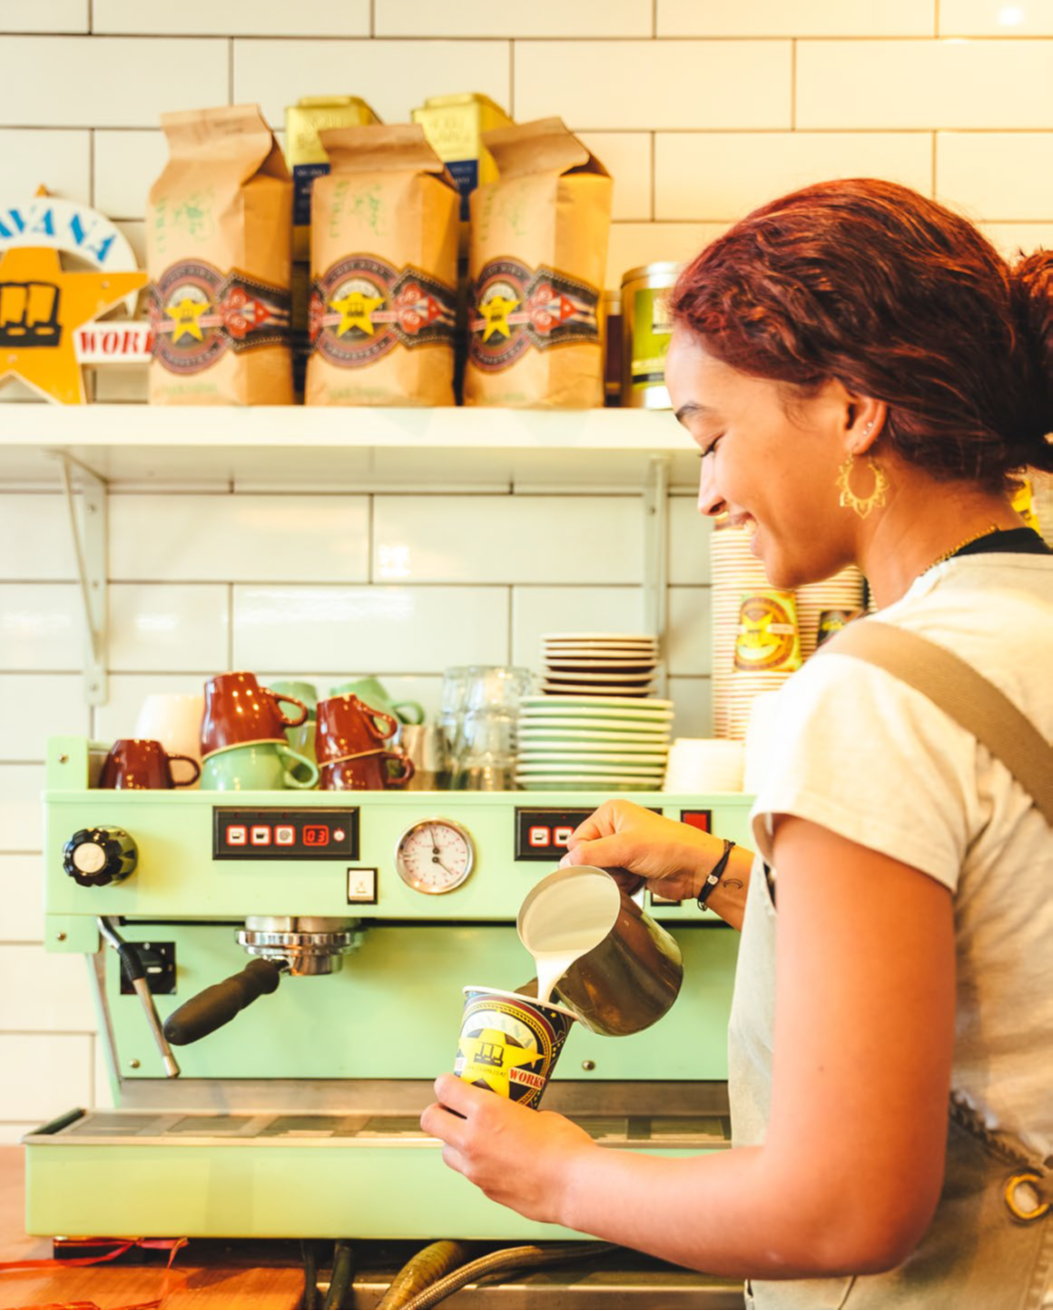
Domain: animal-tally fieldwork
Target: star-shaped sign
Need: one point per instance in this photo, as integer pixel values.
(41, 307)
(186, 315)
(356, 311)
(492, 1056)
(496, 311)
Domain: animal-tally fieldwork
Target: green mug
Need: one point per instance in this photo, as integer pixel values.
(305, 692)
(257, 767)
(371, 691)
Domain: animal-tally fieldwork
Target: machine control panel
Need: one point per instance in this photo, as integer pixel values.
(316, 833)
(544, 834)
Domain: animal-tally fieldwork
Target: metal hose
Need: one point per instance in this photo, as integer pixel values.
(340, 1279)
(424, 1268)
(507, 1260)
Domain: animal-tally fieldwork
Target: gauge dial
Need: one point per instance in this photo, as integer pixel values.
(435, 856)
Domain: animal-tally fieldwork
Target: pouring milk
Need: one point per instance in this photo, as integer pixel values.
(567, 920)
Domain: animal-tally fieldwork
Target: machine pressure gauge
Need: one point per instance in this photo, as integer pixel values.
(435, 856)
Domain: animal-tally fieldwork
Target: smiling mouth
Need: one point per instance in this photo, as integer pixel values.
(745, 521)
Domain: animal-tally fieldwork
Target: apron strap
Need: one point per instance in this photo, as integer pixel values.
(963, 694)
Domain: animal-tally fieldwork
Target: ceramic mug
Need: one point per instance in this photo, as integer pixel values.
(347, 726)
(174, 719)
(256, 767)
(296, 688)
(372, 692)
(239, 711)
(142, 763)
(365, 773)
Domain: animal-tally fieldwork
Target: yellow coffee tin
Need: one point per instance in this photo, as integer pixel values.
(454, 127)
(306, 158)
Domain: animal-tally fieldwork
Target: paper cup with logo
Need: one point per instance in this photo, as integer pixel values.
(510, 1043)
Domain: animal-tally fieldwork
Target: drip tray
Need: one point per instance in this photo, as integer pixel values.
(702, 1133)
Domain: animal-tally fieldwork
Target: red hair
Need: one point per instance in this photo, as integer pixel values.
(901, 300)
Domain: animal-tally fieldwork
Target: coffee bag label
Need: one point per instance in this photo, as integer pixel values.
(768, 640)
(513, 308)
(363, 307)
(197, 313)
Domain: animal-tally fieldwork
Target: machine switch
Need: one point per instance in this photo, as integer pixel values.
(96, 857)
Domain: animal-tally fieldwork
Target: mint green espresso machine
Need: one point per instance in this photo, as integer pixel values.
(309, 949)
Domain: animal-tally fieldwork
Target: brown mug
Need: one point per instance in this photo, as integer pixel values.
(346, 726)
(140, 762)
(238, 711)
(365, 773)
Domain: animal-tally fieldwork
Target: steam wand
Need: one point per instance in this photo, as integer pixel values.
(135, 973)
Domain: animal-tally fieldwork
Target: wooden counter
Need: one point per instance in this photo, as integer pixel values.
(203, 1275)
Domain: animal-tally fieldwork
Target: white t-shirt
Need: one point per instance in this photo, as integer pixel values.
(861, 753)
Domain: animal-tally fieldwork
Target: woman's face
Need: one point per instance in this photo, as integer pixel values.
(772, 471)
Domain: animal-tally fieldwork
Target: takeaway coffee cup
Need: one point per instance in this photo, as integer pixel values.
(142, 763)
(368, 772)
(239, 711)
(597, 953)
(510, 1043)
(347, 726)
(257, 766)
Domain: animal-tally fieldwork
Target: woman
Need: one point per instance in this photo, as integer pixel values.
(863, 375)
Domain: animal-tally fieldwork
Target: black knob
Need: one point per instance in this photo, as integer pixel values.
(98, 856)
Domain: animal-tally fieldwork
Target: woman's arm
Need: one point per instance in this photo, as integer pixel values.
(673, 859)
(851, 1170)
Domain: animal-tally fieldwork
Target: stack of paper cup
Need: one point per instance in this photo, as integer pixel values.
(735, 570)
(699, 764)
(842, 592)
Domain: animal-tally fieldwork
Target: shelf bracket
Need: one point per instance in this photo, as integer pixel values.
(89, 546)
(656, 561)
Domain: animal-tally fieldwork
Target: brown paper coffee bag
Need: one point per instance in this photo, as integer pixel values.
(383, 271)
(218, 243)
(537, 262)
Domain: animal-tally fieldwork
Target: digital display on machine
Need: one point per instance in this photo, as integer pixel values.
(284, 834)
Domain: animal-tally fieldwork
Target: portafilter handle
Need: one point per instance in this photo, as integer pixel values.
(218, 1005)
(135, 973)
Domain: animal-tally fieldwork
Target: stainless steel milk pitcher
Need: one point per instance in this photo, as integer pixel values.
(628, 979)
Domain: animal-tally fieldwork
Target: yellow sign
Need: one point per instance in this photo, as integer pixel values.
(41, 307)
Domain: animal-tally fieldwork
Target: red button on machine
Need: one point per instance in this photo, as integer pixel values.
(237, 835)
(540, 836)
(261, 835)
(700, 819)
(284, 836)
(561, 837)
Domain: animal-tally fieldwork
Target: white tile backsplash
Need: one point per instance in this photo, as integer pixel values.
(233, 18)
(689, 541)
(44, 1075)
(33, 707)
(689, 643)
(51, 157)
(754, 18)
(240, 538)
(127, 692)
(71, 81)
(693, 707)
(44, 16)
(22, 891)
(170, 627)
(393, 77)
(514, 539)
(21, 818)
(125, 166)
(596, 18)
(45, 991)
(540, 610)
(995, 18)
(403, 630)
(627, 158)
(724, 175)
(1012, 238)
(923, 84)
(41, 626)
(36, 541)
(635, 244)
(993, 175)
(647, 85)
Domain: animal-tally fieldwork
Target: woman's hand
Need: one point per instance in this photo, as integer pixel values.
(518, 1157)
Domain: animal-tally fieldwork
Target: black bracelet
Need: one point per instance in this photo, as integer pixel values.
(713, 877)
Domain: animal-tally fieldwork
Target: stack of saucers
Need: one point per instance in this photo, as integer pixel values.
(593, 743)
(599, 664)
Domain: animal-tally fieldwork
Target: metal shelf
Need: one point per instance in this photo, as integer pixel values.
(272, 448)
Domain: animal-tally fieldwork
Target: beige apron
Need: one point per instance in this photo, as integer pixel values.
(976, 1253)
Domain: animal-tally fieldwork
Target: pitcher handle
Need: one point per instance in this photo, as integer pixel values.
(283, 696)
(291, 781)
(186, 782)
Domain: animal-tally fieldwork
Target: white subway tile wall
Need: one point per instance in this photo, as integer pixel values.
(699, 111)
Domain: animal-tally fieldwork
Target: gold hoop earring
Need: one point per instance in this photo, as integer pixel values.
(848, 500)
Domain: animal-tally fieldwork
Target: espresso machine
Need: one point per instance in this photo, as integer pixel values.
(292, 984)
